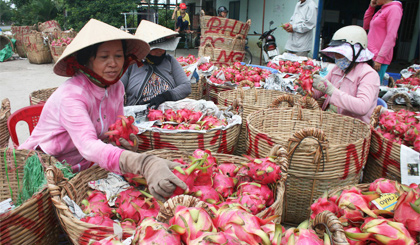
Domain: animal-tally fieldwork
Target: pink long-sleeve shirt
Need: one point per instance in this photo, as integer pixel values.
(73, 123)
(356, 94)
(383, 29)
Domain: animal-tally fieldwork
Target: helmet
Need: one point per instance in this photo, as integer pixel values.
(222, 9)
(182, 6)
(351, 34)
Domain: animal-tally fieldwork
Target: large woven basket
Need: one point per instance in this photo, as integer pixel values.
(56, 52)
(80, 232)
(33, 222)
(326, 150)
(48, 26)
(275, 209)
(214, 25)
(40, 96)
(392, 105)
(212, 90)
(219, 56)
(384, 155)
(197, 89)
(4, 115)
(19, 33)
(37, 49)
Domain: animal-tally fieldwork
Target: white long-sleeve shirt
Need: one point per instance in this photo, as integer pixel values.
(303, 22)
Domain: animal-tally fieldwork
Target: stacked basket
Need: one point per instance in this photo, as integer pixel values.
(37, 49)
(326, 150)
(223, 39)
(33, 222)
(19, 33)
(82, 233)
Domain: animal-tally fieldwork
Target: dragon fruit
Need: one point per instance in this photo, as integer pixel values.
(183, 115)
(322, 204)
(264, 170)
(136, 205)
(151, 231)
(383, 185)
(260, 190)
(387, 232)
(223, 184)
(96, 203)
(253, 202)
(355, 236)
(353, 204)
(194, 219)
(170, 115)
(128, 224)
(187, 176)
(194, 117)
(206, 194)
(135, 179)
(209, 238)
(98, 220)
(301, 235)
(244, 225)
(112, 240)
(407, 210)
(274, 231)
(228, 169)
(155, 115)
(204, 174)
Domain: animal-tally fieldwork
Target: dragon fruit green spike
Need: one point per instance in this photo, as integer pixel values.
(237, 221)
(387, 232)
(213, 238)
(274, 231)
(195, 220)
(407, 210)
(355, 236)
(301, 235)
(151, 231)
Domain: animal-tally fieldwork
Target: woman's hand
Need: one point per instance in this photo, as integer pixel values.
(377, 66)
(322, 84)
(373, 3)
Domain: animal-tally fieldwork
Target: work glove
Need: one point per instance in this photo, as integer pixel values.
(157, 171)
(323, 85)
(159, 99)
(125, 145)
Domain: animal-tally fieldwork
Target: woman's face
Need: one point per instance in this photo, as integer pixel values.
(109, 60)
(157, 52)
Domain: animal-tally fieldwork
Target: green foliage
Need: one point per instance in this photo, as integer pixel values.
(165, 18)
(79, 12)
(35, 11)
(6, 12)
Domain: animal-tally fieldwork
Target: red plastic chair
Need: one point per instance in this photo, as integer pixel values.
(29, 114)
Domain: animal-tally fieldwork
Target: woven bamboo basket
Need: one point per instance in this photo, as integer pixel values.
(392, 105)
(326, 150)
(33, 222)
(58, 33)
(37, 49)
(4, 115)
(80, 232)
(41, 96)
(19, 33)
(384, 155)
(214, 25)
(56, 52)
(327, 222)
(212, 90)
(48, 26)
(222, 42)
(219, 56)
(197, 89)
(167, 210)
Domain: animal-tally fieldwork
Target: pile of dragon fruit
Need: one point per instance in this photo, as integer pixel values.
(304, 67)
(187, 72)
(236, 73)
(364, 223)
(402, 127)
(184, 61)
(61, 41)
(205, 66)
(413, 81)
(122, 128)
(185, 119)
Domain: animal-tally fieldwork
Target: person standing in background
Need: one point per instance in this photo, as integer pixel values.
(383, 29)
(222, 12)
(300, 27)
(182, 22)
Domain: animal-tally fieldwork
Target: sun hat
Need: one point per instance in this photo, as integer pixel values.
(157, 36)
(345, 49)
(182, 6)
(93, 32)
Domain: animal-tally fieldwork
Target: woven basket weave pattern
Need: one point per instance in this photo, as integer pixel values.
(34, 222)
(4, 115)
(40, 96)
(344, 142)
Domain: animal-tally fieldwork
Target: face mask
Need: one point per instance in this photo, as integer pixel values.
(342, 63)
(155, 60)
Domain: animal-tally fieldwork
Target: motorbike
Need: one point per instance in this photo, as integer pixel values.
(267, 42)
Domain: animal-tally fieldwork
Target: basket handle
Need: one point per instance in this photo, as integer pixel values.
(307, 102)
(238, 106)
(281, 154)
(208, 45)
(374, 118)
(283, 98)
(5, 108)
(328, 222)
(56, 182)
(200, 86)
(391, 100)
(235, 39)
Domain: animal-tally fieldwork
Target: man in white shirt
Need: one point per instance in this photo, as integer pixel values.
(301, 27)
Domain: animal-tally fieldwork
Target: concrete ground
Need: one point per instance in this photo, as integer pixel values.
(19, 78)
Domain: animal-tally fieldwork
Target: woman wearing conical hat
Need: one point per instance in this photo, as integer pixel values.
(161, 78)
(75, 118)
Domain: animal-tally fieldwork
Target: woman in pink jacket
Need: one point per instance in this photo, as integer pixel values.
(383, 29)
(80, 111)
(352, 87)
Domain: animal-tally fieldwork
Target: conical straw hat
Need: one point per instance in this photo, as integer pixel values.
(94, 32)
(157, 36)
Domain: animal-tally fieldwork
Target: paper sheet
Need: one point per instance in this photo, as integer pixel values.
(410, 165)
